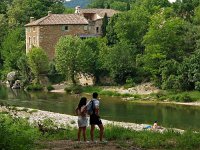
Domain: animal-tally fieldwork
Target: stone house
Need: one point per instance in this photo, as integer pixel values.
(45, 32)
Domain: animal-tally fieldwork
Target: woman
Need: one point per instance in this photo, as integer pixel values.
(82, 118)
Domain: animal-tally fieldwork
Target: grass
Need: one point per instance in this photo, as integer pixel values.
(141, 139)
(23, 136)
(187, 96)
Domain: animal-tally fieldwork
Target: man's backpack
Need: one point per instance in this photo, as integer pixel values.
(90, 108)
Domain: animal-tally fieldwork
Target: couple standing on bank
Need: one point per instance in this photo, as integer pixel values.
(94, 117)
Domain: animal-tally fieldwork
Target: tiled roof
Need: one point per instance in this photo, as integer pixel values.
(60, 19)
(100, 12)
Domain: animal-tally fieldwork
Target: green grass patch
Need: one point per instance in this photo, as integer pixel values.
(188, 96)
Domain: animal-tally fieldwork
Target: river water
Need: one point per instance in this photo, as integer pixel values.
(111, 108)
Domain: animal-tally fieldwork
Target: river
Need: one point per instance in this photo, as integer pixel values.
(111, 108)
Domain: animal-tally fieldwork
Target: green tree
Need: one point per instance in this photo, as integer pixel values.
(24, 69)
(104, 24)
(128, 7)
(13, 47)
(131, 26)
(164, 41)
(117, 5)
(119, 60)
(185, 8)
(111, 34)
(66, 53)
(20, 11)
(89, 57)
(38, 62)
(152, 5)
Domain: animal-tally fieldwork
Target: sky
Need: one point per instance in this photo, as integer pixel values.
(172, 1)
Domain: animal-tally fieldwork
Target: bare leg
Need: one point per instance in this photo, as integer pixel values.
(101, 131)
(84, 133)
(92, 132)
(79, 133)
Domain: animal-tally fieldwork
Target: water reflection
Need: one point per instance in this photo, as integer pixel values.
(112, 108)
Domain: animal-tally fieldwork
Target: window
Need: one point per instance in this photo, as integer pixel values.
(65, 28)
(27, 29)
(33, 29)
(29, 42)
(34, 40)
(85, 28)
(97, 29)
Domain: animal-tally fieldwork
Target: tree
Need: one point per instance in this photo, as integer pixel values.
(164, 41)
(24, 69)
(118, 5)
(104, 24)
(131, 26)
(111, 34)
(38, 62)
(13, 47)
(119, 60)
(20, 11)
(128, 7)
(89, 57)
(152, 5)
(185, 8)
(66, 53)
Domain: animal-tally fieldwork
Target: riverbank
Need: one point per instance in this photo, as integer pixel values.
(35, 116)
(120, 136)
(144, 93)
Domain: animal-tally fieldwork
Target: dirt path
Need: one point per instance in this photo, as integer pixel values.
(74, 145)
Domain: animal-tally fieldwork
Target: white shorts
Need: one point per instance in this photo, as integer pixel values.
(82, 121)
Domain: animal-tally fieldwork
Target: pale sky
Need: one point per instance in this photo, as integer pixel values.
(172, 1)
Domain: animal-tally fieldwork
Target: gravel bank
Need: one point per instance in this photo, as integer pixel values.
(61, 120)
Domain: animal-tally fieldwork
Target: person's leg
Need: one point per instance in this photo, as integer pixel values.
(84, 133)
(92, 132)
(79, 133)
(101, 131)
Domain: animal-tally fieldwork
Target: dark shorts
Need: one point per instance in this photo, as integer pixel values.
(95, 120)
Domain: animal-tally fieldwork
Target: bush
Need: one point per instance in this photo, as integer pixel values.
(197, 86)
(182, 98)
(34, 87)
(50, 88)
(75, 89)
(17, 133)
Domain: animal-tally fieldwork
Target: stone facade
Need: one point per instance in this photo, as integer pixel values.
(47, 36)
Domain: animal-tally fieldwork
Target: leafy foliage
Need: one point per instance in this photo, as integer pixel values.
(17, 133)
(38, 62)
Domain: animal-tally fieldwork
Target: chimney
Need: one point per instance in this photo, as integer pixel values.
(49, 13)
(32, 19)
(77, 10)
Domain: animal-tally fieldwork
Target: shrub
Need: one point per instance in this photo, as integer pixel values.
(50, 88)
(34, 87)
(17, 133)
(197, 86)
(182, 98)
(76, 89)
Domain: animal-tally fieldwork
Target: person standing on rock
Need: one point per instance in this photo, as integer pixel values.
(95, 118)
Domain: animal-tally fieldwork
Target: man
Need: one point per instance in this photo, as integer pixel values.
(95, 118)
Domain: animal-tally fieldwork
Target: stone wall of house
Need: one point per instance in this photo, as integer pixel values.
(49, 36)
(32, 37)
(94, 25)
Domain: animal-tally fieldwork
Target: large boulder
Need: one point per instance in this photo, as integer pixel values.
(11, 77)
(16, 85)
